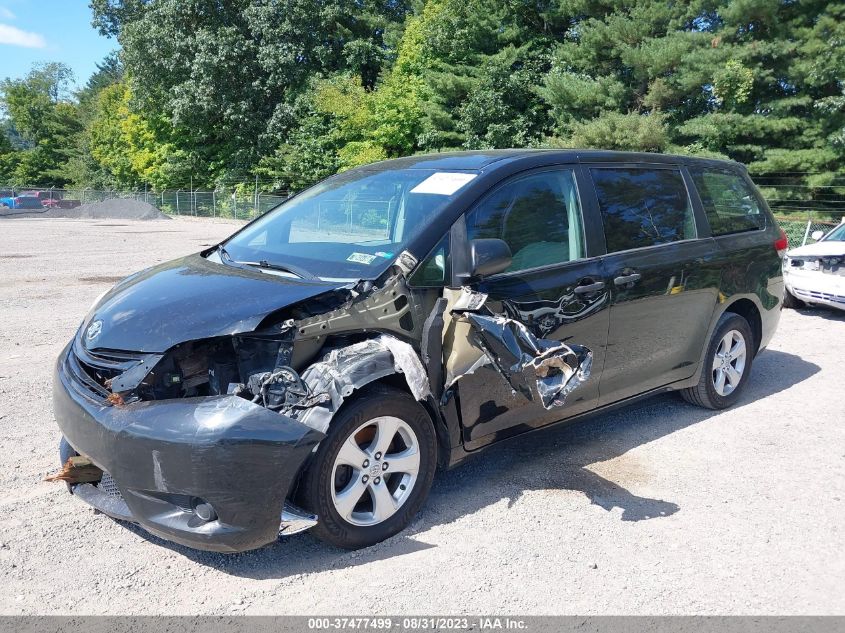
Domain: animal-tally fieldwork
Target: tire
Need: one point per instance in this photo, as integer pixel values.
(707, 392)
(331, 482)
(790, 301)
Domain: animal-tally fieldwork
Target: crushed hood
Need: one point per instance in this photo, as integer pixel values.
(188, 299)
(831, 248)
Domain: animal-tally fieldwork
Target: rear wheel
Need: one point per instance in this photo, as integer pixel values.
(727, 364)
(372, 473)
(791, 301)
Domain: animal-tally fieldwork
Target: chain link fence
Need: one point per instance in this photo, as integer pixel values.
(800, 209)
(800, 231)
(232, 204)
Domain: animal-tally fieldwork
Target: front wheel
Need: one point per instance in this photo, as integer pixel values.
(727, 364)
(372, 473)
(790, 301)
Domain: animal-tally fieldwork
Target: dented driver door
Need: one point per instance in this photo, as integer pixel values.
(551, 288)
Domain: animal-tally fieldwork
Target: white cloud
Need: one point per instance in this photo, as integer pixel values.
(16, 37)
(6, 14)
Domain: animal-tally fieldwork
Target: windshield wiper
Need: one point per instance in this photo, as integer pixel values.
(271, 266)
(285, 268)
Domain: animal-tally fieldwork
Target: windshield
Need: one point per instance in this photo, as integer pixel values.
(351, 226)
(836, 235)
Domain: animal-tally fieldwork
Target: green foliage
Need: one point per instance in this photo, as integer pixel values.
(46, 123)
(627, 132)
(732, 85)
(293, 91)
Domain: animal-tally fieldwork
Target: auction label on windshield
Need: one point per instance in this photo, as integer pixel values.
(361, 258)
(443, 183)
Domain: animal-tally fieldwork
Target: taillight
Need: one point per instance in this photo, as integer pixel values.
(781, 244)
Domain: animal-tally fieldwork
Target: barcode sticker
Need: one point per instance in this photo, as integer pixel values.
(443, 183)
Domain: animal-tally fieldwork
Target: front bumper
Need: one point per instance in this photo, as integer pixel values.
(168, 456)
(816, 287)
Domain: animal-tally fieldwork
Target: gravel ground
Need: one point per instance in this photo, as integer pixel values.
(659, 508)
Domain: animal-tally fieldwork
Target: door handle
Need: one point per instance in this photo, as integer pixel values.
(624, 280)
(589, 288)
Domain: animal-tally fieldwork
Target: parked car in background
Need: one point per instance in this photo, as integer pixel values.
(36, 199)
(24, 200)
(49, 198)
(814, 274)
(317, 367)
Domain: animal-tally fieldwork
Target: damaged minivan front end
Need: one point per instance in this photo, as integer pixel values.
(202, 443)
(196, 395)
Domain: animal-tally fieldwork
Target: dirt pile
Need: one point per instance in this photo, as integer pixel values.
(113, 209)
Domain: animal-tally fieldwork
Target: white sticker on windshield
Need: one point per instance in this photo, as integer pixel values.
(443, 183)
(361, 258)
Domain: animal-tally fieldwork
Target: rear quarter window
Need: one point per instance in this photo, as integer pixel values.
(643, 207)
(729, 202)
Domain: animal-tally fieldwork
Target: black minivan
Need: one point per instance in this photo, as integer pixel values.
(315, 369)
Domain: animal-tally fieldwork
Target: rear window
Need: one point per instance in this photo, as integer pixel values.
(643, 207)
(729, 202)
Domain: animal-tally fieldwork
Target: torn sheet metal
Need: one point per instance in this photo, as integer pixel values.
(408, 363)
(540, 369)
(533, 366)
(460, 357)
(388, 308)
(345, 369)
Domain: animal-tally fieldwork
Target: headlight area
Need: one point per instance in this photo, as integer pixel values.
(256, 367)
(831, 264)
(800, 263)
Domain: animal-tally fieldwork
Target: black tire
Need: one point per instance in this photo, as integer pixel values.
(791, 301)
(704, 394)
(315, 490)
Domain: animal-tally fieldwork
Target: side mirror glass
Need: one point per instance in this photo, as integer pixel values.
(489, 256)
(817, 235)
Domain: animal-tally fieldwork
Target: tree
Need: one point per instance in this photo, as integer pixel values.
(46, 122)
(225, 75)
(109, 72)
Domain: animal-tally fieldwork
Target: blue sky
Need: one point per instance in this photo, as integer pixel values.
(49, 30)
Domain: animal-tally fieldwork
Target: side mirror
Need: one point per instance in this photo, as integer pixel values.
(817, 235)
(488, 257)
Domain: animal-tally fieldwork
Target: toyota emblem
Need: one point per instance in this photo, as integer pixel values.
(93, 331)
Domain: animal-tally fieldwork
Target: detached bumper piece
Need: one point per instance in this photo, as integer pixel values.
(210, 473)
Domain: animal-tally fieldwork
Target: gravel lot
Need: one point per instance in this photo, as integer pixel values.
(660, 508)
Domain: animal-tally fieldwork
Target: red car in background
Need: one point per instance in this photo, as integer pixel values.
(36, 199)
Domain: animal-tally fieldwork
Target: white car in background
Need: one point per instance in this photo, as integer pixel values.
(814, 274)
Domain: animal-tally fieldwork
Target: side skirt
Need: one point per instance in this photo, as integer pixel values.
(461, 452)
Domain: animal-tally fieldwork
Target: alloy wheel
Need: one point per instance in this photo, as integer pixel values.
(375, 471)
(729, 362)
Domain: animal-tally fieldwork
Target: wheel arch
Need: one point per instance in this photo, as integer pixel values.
(746, 306)
(352, 372)
(747, 309)
(397, 382)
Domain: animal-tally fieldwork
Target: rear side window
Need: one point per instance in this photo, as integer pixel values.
(539, 216)
(729, 202)
(643, 207)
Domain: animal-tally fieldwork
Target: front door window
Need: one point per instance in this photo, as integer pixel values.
(539, 217)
